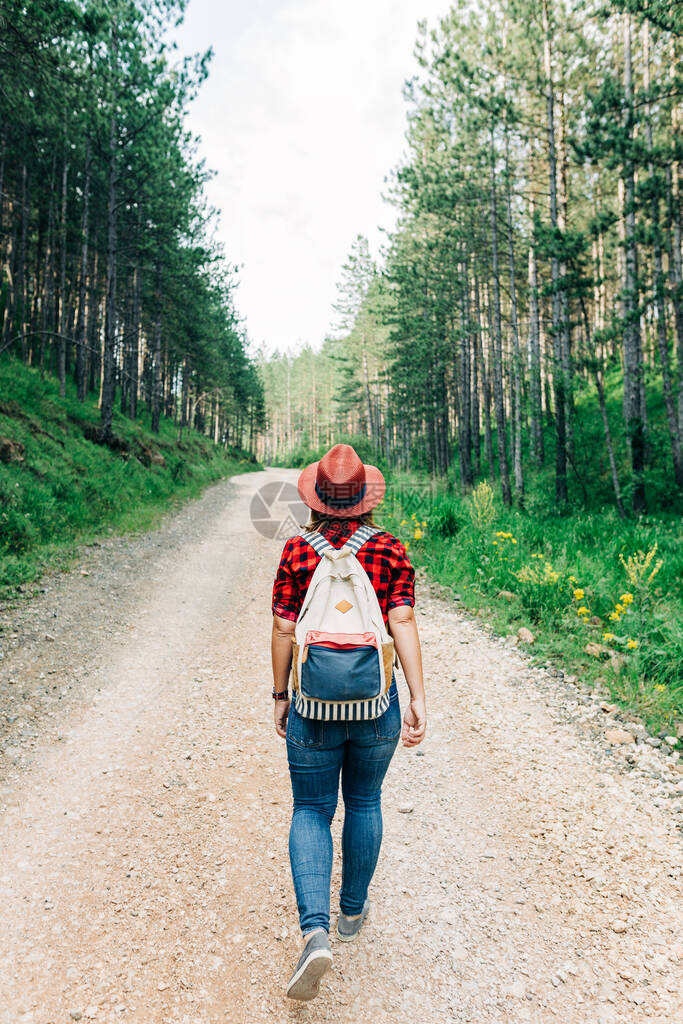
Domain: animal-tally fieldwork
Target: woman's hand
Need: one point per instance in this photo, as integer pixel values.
(403, 629)
(280, 713)
(414, 723)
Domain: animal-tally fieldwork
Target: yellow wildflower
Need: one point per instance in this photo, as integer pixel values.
(638, 567)
(583, 610)
(579, 594)
(418, 534)
(631, 645)
(626, 599)
(513, 540)
(424, 522)
(403, 522)
(607, 636)
(482, 510)
(533, 574)
(660, 687)
(572, 579)
(614, 616)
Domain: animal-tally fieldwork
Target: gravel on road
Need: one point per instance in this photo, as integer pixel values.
(531, 864)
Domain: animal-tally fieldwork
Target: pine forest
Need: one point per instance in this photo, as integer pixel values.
(111, 278)
(525, 324)
(510, 355)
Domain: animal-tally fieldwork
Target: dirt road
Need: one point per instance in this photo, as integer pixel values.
(529, 873)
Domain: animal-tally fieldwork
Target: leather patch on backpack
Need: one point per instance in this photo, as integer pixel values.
(295, 664)
(388, 659)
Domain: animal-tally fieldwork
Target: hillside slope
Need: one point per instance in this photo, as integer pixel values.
(59, 486)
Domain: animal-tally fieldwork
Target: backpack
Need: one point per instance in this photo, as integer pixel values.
(342, 654)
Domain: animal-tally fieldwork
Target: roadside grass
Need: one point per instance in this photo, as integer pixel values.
(595, 606)
(64, 489)
(527, 575)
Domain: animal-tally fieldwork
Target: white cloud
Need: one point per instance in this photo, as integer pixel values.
(302, 117)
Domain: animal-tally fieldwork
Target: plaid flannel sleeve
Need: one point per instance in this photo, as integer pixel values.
(285, 590)
(402, 583)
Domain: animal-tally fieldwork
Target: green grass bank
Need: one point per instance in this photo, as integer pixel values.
(562, 577)
(601, 598)
(60, 488)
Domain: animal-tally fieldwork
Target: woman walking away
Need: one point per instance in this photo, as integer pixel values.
(342, 608)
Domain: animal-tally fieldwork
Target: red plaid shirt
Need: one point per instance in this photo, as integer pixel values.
(383, 557)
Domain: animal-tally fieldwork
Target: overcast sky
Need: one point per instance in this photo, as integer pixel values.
(302, 117)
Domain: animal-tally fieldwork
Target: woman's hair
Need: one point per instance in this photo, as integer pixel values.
(318, 519)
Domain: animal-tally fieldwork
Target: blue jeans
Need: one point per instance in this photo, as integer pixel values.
(318, 752)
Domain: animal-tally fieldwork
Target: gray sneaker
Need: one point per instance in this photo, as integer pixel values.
(348, 927)
(315, 961)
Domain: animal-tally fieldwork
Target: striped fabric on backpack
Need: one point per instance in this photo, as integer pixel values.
(342, 653)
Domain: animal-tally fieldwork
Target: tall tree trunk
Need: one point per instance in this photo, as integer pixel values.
(491, 353)
(368, 396)
(674, 197)
(8, 327)
(314, 406)
(94, 349)
(674, 233)
(594, 360)
(20, 273)
(660, 285)
(633, 356)
(156, 358)
(184, 395)
(485, 379)
(463, 384)
(108, 355)
(561, 492)
(534, 357)
(3, 153)
(133, 383)
(46, 307)
(498, 340)
(81, 342)
(476, 413)
(608, 440)
(565, 334)
(3, 251)
(61, 299)
(517, 354)
(34, 314)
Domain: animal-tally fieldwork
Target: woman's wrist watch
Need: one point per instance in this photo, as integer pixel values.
(281, 696)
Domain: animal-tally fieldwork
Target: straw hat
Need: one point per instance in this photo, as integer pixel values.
(340, 484)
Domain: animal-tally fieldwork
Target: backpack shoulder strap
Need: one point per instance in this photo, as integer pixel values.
(319, 543)
(362, 534)
(355, 543)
